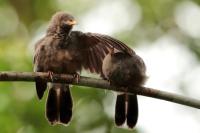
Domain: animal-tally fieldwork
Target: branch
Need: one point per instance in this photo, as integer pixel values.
(101, 84)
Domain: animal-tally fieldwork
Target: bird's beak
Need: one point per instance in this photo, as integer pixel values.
(71, 22)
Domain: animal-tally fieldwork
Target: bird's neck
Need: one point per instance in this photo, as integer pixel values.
(59, 32)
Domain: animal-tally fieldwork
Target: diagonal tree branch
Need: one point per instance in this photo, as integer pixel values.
(101, 84)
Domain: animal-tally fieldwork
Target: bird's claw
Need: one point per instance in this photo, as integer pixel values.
(109, 81)
(76, 77)
(50, 74)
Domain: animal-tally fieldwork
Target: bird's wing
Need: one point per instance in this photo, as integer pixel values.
(95, 47)
(40, 84)
(37, 51)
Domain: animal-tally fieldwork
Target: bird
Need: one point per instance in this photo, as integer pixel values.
(125, 70)
(64, 51)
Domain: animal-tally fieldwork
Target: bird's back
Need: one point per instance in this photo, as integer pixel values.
(128, 70)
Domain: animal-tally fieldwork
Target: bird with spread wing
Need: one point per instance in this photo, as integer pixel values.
(65, 51)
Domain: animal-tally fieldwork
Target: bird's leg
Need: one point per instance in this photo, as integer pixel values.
(50, 74)
(108, 80)
(103, 76)
(76, 77)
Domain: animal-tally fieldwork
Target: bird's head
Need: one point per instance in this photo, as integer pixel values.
(61, 22)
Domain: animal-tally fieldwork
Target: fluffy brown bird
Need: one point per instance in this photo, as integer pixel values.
(125, 70)
(65, 51)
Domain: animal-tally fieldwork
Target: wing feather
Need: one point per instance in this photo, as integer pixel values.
(95, 47)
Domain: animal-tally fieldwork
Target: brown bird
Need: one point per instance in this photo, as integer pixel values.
(65, 51)
(125, 70)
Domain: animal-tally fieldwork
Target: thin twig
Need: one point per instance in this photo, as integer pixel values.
(101, 84)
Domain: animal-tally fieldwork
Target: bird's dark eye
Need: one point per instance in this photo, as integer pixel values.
(70, 20)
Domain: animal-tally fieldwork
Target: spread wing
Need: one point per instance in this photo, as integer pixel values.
(95, 47)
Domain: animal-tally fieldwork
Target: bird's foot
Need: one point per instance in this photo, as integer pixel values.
(76, 77)
(109, 82)
(50, 74)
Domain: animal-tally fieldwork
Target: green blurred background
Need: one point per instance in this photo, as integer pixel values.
(149, 26)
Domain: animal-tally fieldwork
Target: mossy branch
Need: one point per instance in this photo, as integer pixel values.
(101, 84)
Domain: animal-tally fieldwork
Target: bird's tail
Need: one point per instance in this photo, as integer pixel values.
(59, 104)
(120, 109)
(132, 110)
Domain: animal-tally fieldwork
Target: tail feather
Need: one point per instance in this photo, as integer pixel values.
(52, 111)
(59, 104)
(66, 104)
(132, 111)
(120, 109)
(40, 87)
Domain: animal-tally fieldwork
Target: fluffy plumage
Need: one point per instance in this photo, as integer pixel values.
(125, 70)
(66, 51)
